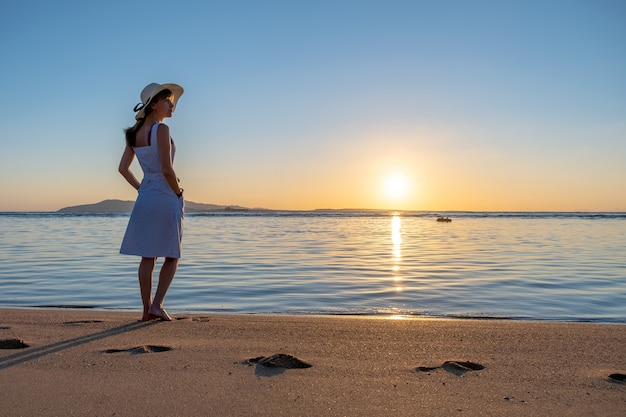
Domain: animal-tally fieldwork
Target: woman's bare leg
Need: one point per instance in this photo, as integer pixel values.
(146, 268)
(166, 276)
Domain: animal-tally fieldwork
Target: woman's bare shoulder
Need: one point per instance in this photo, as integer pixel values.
(163, 131)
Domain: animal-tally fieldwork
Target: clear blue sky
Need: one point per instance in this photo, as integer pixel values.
(476, 105)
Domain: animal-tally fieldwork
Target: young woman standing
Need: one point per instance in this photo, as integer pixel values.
(155, 227)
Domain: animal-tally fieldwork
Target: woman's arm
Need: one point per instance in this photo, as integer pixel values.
(124, 168)
(165, 155)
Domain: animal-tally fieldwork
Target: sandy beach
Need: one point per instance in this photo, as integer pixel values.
(101, 363)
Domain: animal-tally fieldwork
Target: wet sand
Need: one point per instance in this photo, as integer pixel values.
(62, 362)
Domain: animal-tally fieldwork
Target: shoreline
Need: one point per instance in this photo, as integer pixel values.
(94, 362)
(381, 316)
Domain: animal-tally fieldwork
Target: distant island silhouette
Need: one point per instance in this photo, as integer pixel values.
(123, 206)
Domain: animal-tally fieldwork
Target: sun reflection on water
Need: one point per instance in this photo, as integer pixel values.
(396, 317)
(396, 252)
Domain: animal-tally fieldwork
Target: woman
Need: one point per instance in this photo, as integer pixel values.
(155, 227)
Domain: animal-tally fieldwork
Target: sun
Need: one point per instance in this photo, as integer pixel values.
(397, 186)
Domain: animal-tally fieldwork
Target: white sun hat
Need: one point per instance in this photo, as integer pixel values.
(150, 91)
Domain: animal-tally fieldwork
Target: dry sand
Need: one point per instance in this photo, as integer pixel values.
(94, 363)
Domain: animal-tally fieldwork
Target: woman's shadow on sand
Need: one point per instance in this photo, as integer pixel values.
(30, 354)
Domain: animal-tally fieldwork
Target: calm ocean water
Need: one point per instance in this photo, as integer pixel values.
(538, 266)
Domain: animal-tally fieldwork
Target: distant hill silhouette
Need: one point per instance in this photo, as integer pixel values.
(122, 206)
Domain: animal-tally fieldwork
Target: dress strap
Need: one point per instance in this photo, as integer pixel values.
(153, 132)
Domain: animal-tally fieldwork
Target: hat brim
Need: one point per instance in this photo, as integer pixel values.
(176, 90)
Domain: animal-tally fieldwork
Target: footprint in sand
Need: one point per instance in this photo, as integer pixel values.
(617, 378)
(457, 368)
(4, 327)
(12, 344)
(141, 349)
(426, 368)
(280, 360)
(69, 323)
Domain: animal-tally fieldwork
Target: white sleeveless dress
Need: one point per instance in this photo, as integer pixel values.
(155, 228)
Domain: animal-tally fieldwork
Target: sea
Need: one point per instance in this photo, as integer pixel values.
(479, 265)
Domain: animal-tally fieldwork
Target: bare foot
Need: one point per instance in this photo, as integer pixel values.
(147, 317)
(159, 313)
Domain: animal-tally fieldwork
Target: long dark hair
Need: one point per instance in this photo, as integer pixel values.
(131, 132)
